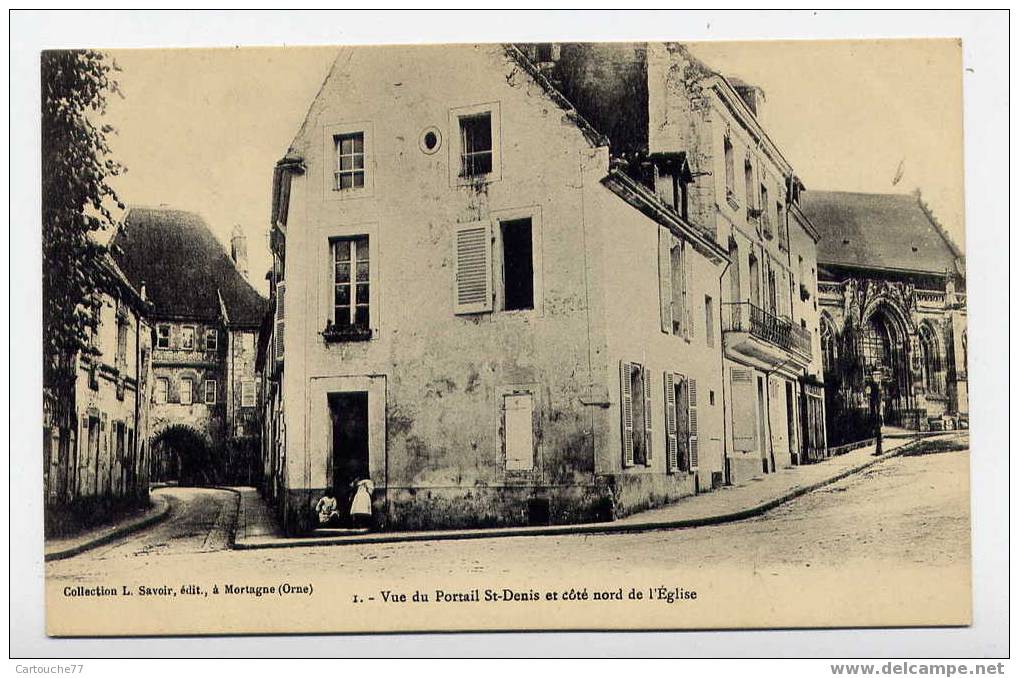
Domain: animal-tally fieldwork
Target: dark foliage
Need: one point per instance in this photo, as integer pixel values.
(76, 198)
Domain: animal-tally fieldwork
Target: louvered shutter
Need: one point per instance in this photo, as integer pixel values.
(281, 293)
(473, 288)
(692, 409)
(744, 416)
(688, 318)
(648, 433)
(626, 412)
(671, 444)
(665, 278)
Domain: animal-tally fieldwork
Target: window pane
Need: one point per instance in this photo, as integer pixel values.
(357, 161)
(342, 250)
(362, 294)
(346, 145)
(342, 273)
(346, 181)
(357, 143)
(362, 249)
(362, 271)
(346, 162)
(361, 316)
(342, 295)
(342, 316)
(358, 180)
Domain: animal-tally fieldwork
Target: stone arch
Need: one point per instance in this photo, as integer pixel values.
(885, 339)
(180, 452)
(932, 357)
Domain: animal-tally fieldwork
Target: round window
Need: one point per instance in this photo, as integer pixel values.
(431, 139)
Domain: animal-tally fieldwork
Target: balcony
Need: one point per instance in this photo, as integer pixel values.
(753, 335)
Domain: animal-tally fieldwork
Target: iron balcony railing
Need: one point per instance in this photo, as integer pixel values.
(744, 316)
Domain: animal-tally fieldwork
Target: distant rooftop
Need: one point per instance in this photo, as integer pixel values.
(877, 230)
(184, 268)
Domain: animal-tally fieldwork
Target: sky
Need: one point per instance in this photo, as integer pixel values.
(201, 129)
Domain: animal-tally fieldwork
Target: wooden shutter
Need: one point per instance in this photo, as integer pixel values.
(665, 278)
(281, 293)
(473, 288)
(648, 433)
(626, 412)
(692, 409)
(671, 444)
(687, 316)
(518, 416)
(744, 414)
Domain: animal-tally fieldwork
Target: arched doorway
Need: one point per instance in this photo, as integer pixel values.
(181, 453)
(883, 343)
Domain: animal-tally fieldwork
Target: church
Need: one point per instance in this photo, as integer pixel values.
(892, 303)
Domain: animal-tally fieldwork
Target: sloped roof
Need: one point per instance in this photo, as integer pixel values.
(184, 267)
(877, 230)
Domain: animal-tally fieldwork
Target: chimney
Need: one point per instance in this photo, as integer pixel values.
(752, 95)
(239, 250)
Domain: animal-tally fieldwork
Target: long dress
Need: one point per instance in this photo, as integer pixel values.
(362, 503)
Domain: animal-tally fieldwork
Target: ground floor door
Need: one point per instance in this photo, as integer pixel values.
(348, 412)
(790, 413)
(762, 431)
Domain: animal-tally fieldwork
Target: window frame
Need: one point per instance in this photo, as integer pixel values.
(169, 335)
(354, 252)
(214, 334)
(498, 273)
(330, 163)
(326, 285)
(215, 392)
(456, 150)
(183, 341)
(165, 382)
(191, 391)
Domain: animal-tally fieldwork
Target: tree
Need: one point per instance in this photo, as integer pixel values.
(77, 201)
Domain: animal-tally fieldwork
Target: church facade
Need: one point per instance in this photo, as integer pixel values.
(892, 302)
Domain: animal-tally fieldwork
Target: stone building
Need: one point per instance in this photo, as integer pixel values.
(96, 443)
(748, 195)
(205, 317)
(893, 296)
(493, 311)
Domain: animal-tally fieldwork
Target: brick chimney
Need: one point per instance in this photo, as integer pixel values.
(239, 250)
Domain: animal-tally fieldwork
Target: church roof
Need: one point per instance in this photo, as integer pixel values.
(184, 268)
(878, 230)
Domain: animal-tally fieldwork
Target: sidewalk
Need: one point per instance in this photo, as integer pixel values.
(58, 549)
(257, 528)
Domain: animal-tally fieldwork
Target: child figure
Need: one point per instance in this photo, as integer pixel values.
(326, 509)
(361, 506)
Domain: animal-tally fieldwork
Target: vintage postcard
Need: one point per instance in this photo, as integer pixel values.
(521, 336)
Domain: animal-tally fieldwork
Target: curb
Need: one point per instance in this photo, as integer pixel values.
(586, 528)
(162, 510)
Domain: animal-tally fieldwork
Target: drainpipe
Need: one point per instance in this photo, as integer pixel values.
(721, 345)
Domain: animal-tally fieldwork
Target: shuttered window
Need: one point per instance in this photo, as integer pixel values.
(635, 412)
(681, 320)
(518, 417)
(744, 414)
(665, 240)
(281, 295)
(692, 417)
(473, 286)
(671, 443)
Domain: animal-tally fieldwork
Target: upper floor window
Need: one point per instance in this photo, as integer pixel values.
(709, 320)
(122, 332)
(248, 394)
(351, 306)
(187, 391)
(187, 337)
(349, 172)
(162, 390)
(210, 391)
(730, 168)
(476, 149)
(211, 340)
(163, 336)
(517, 264)
(748, 182)
(765, 216)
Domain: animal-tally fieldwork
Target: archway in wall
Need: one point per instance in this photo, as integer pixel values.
(180, 453)
(883, 343)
